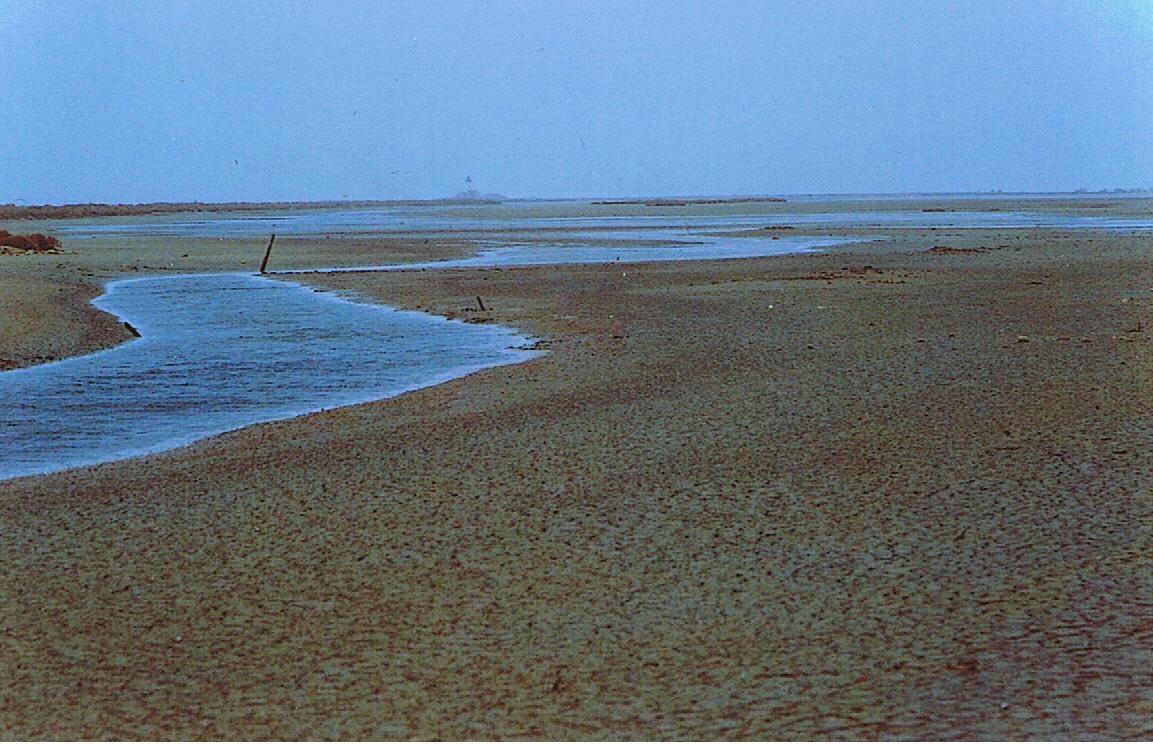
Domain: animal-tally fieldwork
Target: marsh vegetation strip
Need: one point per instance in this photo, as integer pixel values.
(223, 351)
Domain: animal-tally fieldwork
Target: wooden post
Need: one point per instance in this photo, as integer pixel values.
(267, 253)
(480, 304)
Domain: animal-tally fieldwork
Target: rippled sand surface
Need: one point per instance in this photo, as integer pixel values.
(885, 491)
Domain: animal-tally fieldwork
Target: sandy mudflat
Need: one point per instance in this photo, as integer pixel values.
(873, 493)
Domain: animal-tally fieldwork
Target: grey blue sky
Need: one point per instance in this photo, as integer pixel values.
(219, 100)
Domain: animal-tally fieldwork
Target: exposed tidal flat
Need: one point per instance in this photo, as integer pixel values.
(222, 351)
(877, 491)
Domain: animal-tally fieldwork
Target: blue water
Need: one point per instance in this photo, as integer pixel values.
(636, 246)
(222, 351)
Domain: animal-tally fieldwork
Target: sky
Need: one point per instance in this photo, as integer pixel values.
(253, 100)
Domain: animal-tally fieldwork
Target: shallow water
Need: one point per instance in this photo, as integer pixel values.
(453, 219)
(222, 351)
(637, 246)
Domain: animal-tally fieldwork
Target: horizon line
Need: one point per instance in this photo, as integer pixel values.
(500, 199)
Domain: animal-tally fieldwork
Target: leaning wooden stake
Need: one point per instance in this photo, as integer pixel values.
(267, 253)
(480, 304)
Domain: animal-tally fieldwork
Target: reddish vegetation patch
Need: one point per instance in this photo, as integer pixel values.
(34, 243)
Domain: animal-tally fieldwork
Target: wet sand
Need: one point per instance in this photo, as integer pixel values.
(880, 492)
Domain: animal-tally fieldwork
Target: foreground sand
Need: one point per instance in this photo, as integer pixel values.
(829, 496)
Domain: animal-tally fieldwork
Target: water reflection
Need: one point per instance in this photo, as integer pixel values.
(222, 351)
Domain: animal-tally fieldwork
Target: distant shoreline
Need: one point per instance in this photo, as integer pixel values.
(94, 209)
(70, 211)
(692, 202)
